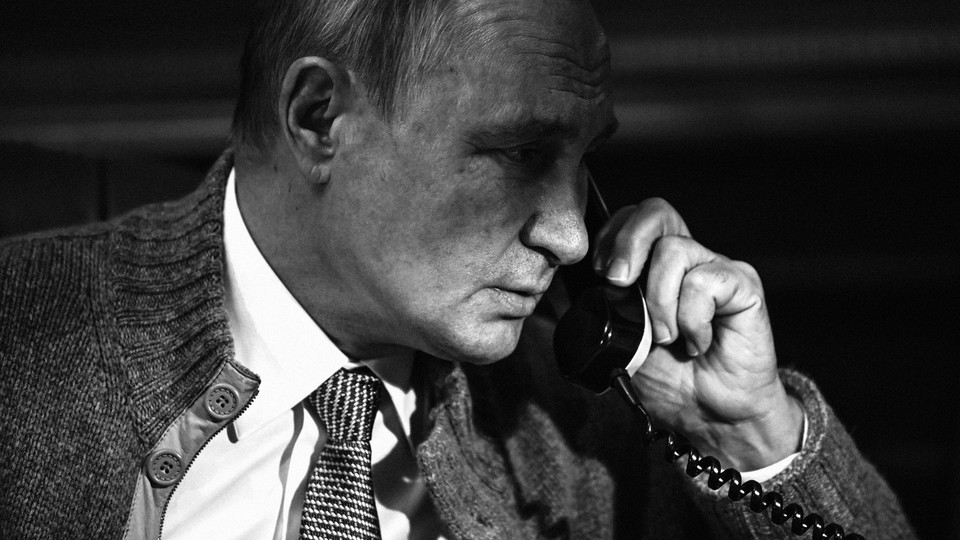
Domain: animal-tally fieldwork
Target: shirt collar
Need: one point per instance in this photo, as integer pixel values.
(275, 337)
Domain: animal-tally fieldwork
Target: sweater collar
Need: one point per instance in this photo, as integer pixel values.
(166, 281)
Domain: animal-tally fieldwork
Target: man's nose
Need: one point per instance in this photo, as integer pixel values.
(556, 228)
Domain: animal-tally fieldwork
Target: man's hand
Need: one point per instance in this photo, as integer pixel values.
(712, 374)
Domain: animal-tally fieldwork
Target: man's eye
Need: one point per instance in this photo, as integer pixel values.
(522, 154)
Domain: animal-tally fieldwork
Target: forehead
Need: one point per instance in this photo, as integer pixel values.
(537, 58)
(560, 39)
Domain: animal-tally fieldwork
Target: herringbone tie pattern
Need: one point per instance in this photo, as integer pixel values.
(339, 499)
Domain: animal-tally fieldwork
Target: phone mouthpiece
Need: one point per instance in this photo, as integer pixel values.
(605, 331)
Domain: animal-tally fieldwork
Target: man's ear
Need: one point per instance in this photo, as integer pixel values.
(314, 93)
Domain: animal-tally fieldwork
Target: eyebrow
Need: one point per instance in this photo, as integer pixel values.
(533, 128)
(527, 129)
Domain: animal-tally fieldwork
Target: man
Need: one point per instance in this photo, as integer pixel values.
(406, 180)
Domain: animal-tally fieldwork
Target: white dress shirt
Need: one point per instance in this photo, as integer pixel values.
(249, 480)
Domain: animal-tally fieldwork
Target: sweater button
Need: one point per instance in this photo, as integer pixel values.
(222, 401)
(164, 467)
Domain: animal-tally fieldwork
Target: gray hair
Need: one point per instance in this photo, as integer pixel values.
(386, 43)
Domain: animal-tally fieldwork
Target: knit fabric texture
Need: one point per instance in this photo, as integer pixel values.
(109, 332)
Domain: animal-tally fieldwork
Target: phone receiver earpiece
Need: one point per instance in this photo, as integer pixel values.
(605, 331)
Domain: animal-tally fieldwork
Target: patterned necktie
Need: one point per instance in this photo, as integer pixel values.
(339, 499)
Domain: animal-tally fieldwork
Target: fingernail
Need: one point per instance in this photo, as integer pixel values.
(661, 333)
(692, 349)
(618, 270)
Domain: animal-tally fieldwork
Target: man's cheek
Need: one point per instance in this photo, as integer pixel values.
(482, 214)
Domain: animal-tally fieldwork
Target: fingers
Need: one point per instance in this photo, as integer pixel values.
(689, 287)
(624, 243)
(704, 289)
(673, 258)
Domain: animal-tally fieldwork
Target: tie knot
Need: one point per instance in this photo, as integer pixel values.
(347, 404)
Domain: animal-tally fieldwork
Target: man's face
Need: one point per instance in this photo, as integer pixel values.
(464, 207)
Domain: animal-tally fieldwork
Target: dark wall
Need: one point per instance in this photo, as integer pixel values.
(818, 141)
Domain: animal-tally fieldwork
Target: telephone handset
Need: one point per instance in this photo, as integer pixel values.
(603, 339)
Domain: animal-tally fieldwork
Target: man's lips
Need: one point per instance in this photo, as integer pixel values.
(517, 302)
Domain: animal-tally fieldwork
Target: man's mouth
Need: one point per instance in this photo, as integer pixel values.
(517, 302)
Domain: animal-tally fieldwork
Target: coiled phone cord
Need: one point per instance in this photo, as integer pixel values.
(677, 447)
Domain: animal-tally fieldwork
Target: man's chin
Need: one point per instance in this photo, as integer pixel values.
(490, 342)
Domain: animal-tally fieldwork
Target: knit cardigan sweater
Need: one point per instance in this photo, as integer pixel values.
(109, 332)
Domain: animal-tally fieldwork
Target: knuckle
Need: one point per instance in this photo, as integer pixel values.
(750, 273)
(702, 279)
(671, 247)
(657, 205)
(747, 269)
(719, 275)
(670, 221)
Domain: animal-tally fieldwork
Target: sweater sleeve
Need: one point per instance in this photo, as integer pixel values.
(829, 477)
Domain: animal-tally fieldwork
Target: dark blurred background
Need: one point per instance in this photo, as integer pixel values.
(818, 140)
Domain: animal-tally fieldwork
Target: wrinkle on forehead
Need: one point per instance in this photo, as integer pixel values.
(552, 41)
(567, 70)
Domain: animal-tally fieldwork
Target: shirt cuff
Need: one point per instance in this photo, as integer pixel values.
(768, 472)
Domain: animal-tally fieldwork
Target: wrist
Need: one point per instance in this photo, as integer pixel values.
(757, 442)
